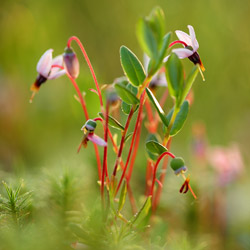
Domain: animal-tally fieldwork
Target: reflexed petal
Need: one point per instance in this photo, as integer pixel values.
(182, 52)
(195, 43)
(166, 58)
(44, 63)
(183, 37)
(56, 61)
(56, 74)
(97, 140)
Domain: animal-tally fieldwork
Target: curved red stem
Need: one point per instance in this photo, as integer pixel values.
(176, 42)
(89, 64)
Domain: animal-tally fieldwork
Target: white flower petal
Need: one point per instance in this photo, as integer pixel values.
(146, 60)
(183, 37)
(182, 52)
(166, 58)
(44, 63)
(56, 74)
(97, 140)
(195, 43)
(56, 61)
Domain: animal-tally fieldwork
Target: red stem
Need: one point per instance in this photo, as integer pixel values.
(122, 141)
(89, 64)
(137, 140)
(155, 169)
(133, 138)
(104, 167)
(86, 115)
(162, 177)
(148, 175)
(176, 42)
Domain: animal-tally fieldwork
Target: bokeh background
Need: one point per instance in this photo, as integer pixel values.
(46, 133)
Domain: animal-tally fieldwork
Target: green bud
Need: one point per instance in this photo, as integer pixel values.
(90, 125)
(178, 165)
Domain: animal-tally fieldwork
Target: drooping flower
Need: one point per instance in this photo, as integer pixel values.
(191, 46)
(46, 71)
(71, 62)
(88, 135)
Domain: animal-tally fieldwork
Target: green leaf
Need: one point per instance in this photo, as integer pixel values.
(132, 67)
(155, 147)
(151, 137)
(142, 214)
(122, 196)
(126, 108)
(164, 47)
(189, 82)
(156, 21)
(180, 118)
(174, 75)
(146, 38)
(128, 136)
(126, 95)
(112, 122)
(177, 163)
(157, 106)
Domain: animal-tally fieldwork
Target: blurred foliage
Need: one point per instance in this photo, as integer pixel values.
(45, 135)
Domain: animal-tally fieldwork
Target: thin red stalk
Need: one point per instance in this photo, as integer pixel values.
(133, 138)
(176, 42)
(89, 64)
(77, 90)
(155, 169)
(122, 141)
(191, 190)
(86, 116)
(137, 140)
(105, 165)
(162, 177)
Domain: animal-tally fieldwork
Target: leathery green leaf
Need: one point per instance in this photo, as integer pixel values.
(112, 122)
(132, 67)
(180, 118)
(174, 75)
(122, 196)
(146, 38)
(155, 147)
(157, 106)
(126, 95)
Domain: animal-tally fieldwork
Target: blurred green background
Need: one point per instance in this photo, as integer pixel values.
(47, 132)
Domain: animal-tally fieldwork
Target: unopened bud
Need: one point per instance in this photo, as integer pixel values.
(90, 125)
(178, 165)
(71, 62)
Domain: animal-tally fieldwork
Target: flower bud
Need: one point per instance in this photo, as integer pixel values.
(178, 165)
(90, 125)
(71, 62)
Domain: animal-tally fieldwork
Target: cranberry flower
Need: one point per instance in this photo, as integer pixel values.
(191, 46)
(88, 135)
(46, 71)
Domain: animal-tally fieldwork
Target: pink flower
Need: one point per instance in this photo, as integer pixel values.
(191, 46)
(45, 69)
(88, 135)
(227, 162)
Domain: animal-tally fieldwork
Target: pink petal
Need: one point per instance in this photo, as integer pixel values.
(182, 52)
(54, 74)
(44, 64)
(183, 37)
(195, 43)
(97, 140)
(56, 61)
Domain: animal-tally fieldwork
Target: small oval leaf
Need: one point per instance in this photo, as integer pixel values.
(174, 75)
(132, 67)
(155, 147)
(112, 122)
(157, 106)
(146, 38)
(180, 118)
(126, 95)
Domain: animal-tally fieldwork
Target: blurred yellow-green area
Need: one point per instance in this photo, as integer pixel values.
(46, 133)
